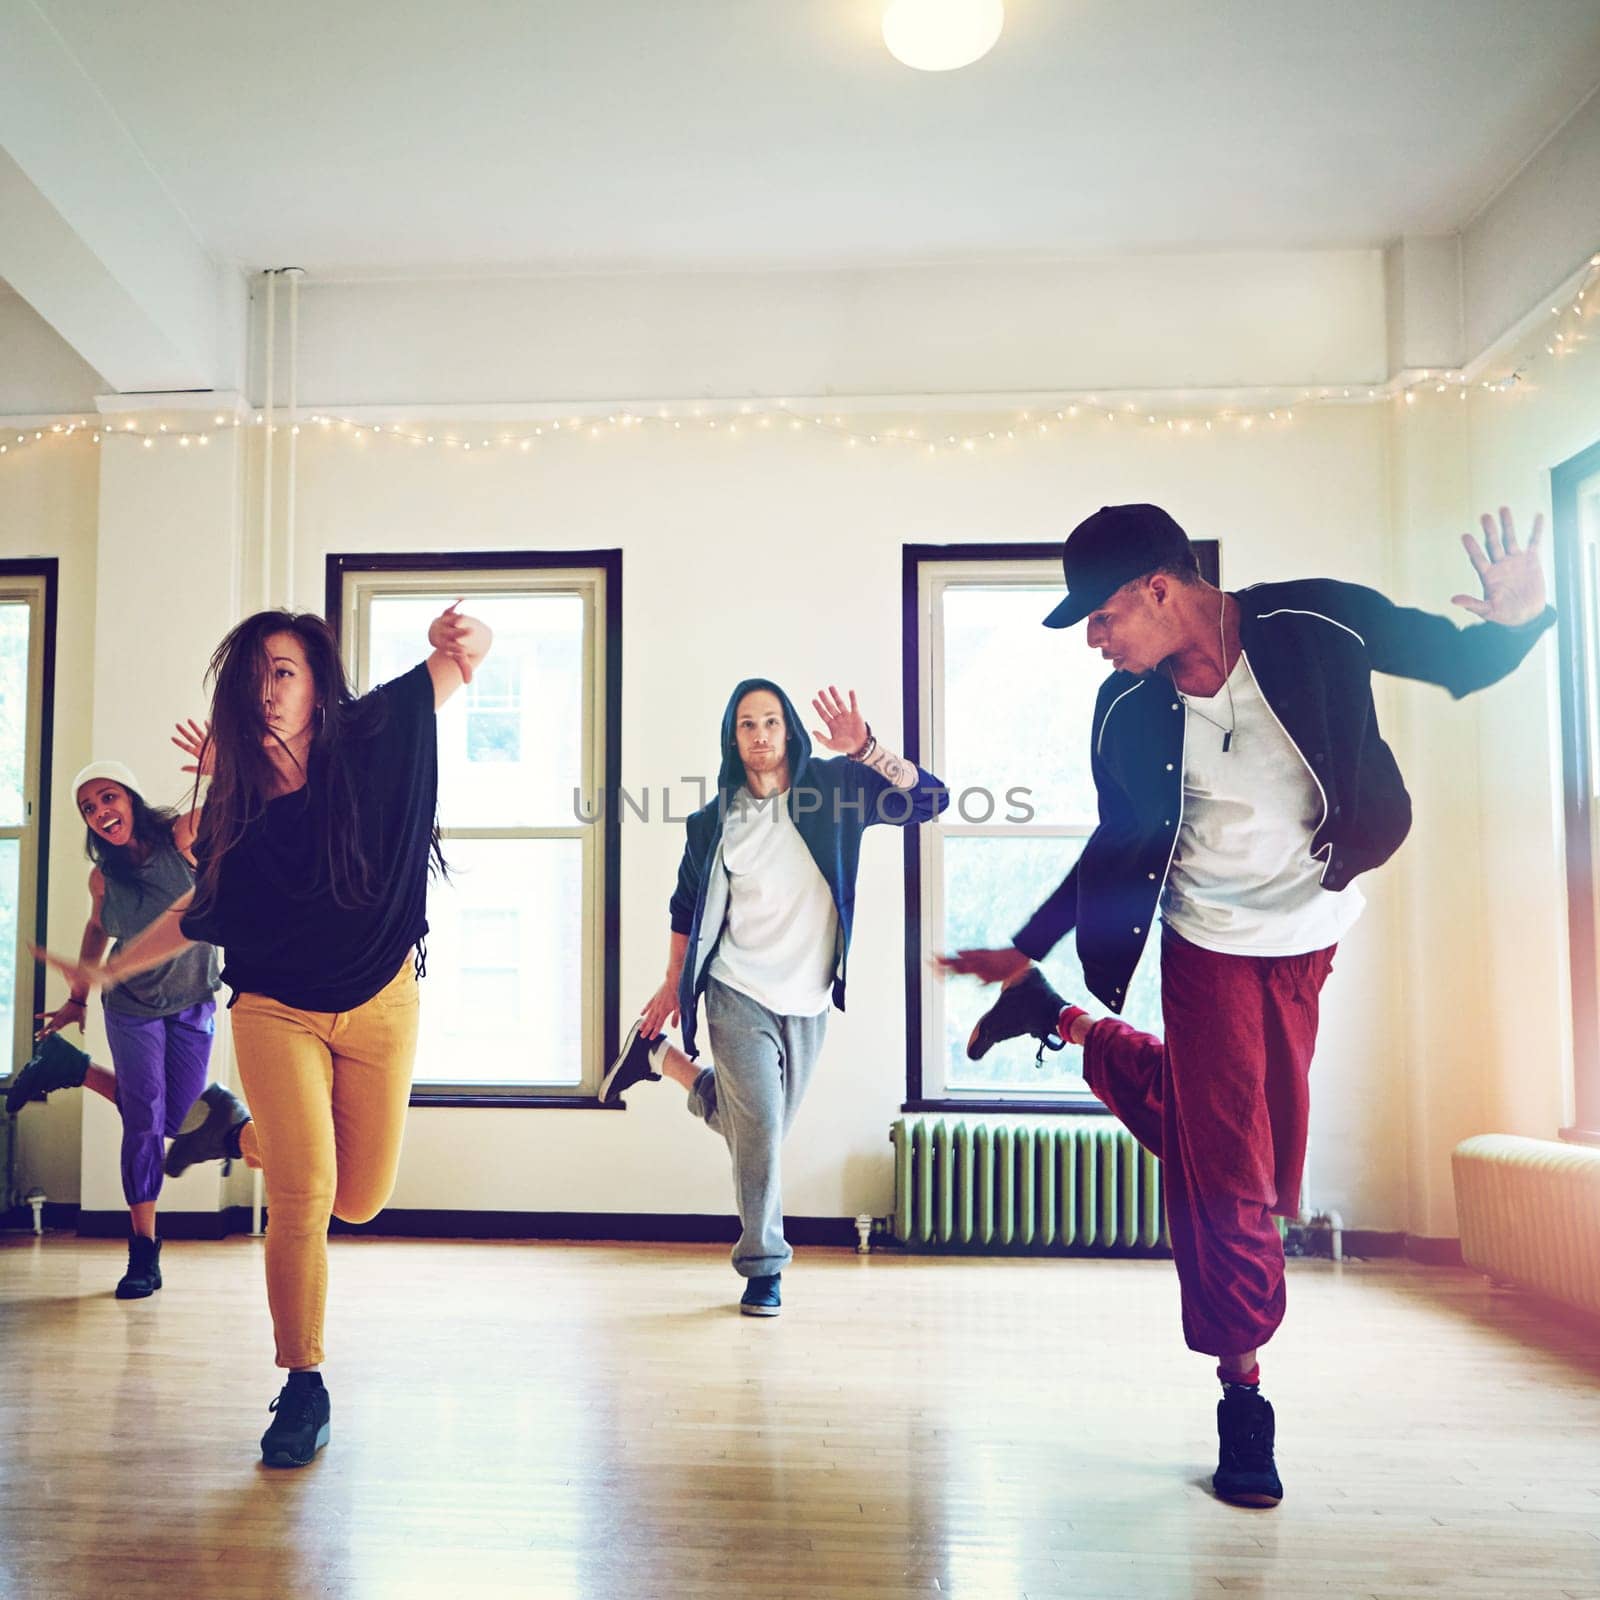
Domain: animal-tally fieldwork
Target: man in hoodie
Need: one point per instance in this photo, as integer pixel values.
(761, 924)
(1243, 785)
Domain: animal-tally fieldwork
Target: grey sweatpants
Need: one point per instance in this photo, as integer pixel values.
(763, 1064)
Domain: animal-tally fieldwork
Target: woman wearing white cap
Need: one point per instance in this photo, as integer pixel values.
(159, 1022)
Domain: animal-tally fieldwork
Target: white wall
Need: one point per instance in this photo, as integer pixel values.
(48, 506)
(168, 586)
(40, 374)
(781, 555)
(1180, 321)
(1535, 232)
(1447, 1008)
(1522, 991)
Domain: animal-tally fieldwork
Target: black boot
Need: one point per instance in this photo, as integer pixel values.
(55, 1065)
(143, 1276)
(1028, 1006)
(210, 1132)
(1246, 1474)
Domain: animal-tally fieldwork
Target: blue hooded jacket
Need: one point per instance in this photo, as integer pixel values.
(832, 801)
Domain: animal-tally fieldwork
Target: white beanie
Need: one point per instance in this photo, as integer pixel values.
(113, 770)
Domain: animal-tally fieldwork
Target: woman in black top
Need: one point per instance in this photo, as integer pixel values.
(312, 856)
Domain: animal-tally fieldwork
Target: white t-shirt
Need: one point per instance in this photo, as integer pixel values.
(779, 939)
(1243, 880)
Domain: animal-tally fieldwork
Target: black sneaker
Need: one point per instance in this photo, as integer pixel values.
(1029, 1006)
(1246, 1474)
(761, 1297)
(300, 1423)
(632, 1064)
(143, 1276)
(209, 1132)
(55, 1065)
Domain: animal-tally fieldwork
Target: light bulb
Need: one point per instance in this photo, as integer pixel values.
(941, 35)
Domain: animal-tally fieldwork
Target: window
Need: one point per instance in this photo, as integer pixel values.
(27, 641)
(1002, 713)
(494, 712)
(1575, 495)
(520, 1001)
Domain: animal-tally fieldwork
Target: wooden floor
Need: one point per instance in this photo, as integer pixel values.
(565, 1422)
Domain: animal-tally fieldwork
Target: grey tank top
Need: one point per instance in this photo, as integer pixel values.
(129, 907)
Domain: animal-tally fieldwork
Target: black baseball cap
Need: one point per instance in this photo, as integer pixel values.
(1113, 547)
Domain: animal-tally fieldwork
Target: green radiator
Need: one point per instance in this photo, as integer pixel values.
(981, 1182)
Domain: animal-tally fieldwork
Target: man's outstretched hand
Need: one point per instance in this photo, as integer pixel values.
(987, 966)
(847, 728)
(1512, 578)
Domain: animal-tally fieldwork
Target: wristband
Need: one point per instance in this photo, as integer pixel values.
(866, 749)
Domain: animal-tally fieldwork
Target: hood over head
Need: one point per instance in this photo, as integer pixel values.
(730, 775)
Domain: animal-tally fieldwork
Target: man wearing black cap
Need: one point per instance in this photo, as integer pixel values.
(1243, 787)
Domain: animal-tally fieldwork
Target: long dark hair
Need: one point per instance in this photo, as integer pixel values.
(244, 778)
(152, 828)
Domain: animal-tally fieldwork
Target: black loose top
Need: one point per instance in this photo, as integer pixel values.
(274, 911)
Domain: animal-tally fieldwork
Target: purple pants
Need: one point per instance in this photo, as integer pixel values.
(161, 1069)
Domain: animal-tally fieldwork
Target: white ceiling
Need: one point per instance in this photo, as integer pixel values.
(415, 136)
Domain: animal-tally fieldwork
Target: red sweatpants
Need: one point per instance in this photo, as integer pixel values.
(1223, 1104)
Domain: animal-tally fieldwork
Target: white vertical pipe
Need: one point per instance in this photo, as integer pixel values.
(295, 274)
(266, 451)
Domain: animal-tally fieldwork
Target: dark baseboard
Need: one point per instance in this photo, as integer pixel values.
(170, 1224)
(1425, 1251)
(398, 1223)
(56, 1214)
(1433, 1252)
(1372, 1243)
(1058, 1252)
(623, 1227)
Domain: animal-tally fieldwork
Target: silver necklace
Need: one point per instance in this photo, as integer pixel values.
(1227, 683)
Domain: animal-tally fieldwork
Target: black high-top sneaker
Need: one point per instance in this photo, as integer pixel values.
(301, 1422)
(143, 1276)
(763, 1296)
(1246, 1474)
(55, 1065)
(210, 1132)
(1028, 1006)
(632, 1064)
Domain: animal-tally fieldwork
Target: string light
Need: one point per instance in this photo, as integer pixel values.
(1555, 341)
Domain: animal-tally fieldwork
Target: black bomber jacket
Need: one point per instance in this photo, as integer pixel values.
(1312, 646)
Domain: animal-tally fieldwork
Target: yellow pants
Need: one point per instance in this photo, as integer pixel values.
(328, 1091)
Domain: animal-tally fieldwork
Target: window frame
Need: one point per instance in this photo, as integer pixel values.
(349, 578)
(918, 656)
(36, 581)
(1578, 640)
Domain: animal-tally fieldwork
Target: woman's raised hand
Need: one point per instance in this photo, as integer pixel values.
(194, 739)
(448, 633)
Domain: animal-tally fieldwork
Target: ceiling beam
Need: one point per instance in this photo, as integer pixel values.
(90, 236)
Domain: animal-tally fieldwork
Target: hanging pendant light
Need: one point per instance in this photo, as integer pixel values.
(941, 35)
